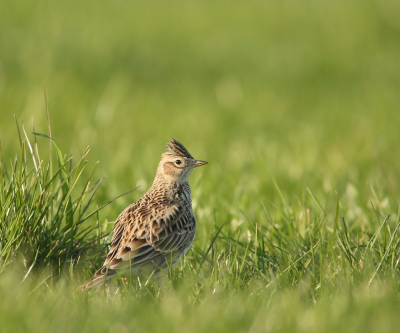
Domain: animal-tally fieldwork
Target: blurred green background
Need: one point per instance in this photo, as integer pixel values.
(307, 92)
(303, 92)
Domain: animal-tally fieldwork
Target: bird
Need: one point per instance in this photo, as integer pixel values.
(156, 231)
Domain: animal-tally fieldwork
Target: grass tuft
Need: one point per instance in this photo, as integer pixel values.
(41, 213)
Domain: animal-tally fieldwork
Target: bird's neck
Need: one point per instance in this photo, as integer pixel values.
(170, 187)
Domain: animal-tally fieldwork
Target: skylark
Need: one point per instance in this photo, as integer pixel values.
(159, 228)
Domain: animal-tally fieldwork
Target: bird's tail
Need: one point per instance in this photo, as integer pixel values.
(98, 279)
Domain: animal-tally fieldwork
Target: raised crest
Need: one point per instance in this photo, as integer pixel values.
(174, 146)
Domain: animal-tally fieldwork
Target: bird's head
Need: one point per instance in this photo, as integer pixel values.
(177, 164)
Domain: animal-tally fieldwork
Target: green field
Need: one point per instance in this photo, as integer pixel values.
(295, 105)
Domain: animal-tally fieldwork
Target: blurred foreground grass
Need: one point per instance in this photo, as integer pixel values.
(349, 309)
(295, 106)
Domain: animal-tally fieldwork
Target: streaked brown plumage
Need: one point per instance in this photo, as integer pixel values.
(160, 227)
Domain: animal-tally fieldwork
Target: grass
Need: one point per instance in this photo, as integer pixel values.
(304, 260)
(296, 109)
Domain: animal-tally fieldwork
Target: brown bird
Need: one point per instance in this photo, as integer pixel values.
(159, 229)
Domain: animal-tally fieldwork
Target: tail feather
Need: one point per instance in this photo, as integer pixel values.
(97, 280)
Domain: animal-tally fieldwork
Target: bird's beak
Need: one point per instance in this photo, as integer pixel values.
(197, 163)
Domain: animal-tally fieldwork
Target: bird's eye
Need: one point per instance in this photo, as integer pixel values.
(178, 162)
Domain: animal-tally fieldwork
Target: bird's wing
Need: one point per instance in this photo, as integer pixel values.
(143, 234)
